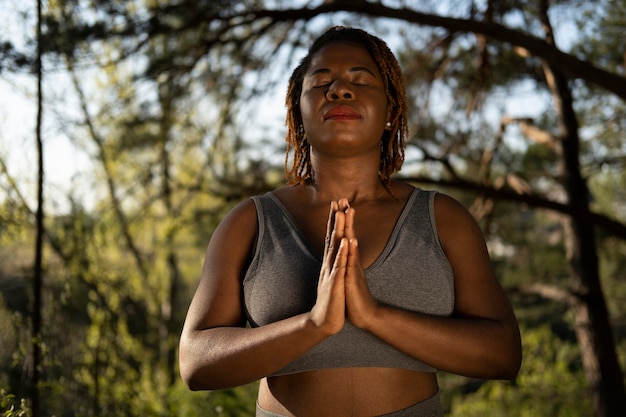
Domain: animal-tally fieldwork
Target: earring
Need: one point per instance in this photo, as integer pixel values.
(388, 125)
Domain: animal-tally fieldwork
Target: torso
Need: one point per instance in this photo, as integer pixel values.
(346, 391)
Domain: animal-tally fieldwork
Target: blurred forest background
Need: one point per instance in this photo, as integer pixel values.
(165, 114)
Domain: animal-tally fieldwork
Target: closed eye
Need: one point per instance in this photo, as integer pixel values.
(363, 78)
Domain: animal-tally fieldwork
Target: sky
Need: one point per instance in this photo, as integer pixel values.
(63, 162)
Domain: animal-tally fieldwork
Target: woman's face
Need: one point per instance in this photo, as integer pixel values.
(343, 102)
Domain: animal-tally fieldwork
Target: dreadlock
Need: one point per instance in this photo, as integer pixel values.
(393, 139)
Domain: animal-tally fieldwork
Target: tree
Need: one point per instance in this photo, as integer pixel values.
(38, 263)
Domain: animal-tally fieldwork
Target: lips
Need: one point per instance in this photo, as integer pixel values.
(341, 112)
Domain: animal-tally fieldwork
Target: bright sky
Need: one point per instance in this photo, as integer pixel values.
(18, 141)
(18, 117)
(63, 161)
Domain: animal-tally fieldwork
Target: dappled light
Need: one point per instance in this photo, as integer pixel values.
(159, 117)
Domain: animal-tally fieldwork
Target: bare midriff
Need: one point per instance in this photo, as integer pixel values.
(346, 391)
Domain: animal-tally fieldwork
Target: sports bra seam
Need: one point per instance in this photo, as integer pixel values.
(296, 227)
(395, 233)
(433, 225)
(389, 244)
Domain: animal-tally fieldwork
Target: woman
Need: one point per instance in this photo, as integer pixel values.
(356, 287)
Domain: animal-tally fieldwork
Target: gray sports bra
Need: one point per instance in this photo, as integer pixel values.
(411, 273)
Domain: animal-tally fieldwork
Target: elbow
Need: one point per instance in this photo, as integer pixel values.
(500, 360)
(197, 373)
(201, 381)
(510, 370)
(194, 385)
(509, 353)
(515, 356)
(514, 364)
(190, 370)
(189, 378)
(193, 377)
(510, 362)
(504, 367)
(191, 384)
(187, 372)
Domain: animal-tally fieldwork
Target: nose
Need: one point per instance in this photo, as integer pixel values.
(339, 89)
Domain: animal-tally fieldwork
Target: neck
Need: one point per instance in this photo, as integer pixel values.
(351, 178)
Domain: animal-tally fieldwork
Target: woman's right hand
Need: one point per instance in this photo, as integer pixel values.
(217, 350)
(329, 311)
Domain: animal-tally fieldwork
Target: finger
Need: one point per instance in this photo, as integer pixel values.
(353, 259)
(335, 237)
(338, 229)
(349, 231)
(341, 260)
(329, 227)
(343, 204)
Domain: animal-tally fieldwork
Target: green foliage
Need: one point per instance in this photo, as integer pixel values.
(235, 402)
(550, 383)
(8, 406)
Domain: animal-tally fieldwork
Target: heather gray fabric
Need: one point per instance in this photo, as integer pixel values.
(411, 273)
(430, 407)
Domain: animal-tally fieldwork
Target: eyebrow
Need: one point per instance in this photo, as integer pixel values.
(353, 69)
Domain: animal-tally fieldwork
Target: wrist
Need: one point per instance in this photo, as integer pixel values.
(320, 329)
(370, 318)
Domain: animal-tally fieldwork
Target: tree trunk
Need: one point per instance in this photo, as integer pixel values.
(37, 267)
(592, 322)
(591, 317)
(168, 329)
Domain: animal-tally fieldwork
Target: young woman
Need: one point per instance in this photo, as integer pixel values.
(356, 287)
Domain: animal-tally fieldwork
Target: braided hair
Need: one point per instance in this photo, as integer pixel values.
(393, 141)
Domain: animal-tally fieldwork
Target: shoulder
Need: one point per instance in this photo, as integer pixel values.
(455, 224)
(447, 208)
(237, 229)
(243, 213)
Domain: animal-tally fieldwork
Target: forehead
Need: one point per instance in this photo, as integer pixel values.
(339, 54)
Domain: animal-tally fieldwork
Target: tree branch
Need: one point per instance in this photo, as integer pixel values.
(550, 292)
(610, 226)
(567, 63)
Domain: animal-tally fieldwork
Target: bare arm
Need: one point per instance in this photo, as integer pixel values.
(481, 339)
(216, 350)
